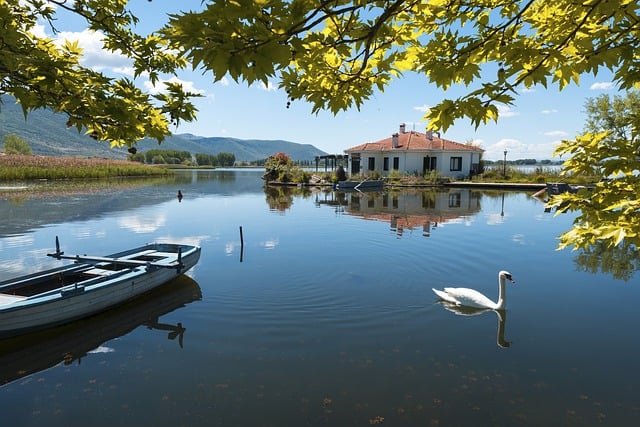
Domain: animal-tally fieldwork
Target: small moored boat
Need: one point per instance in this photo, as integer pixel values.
(90, 285)
(555, 188)
(366, 184)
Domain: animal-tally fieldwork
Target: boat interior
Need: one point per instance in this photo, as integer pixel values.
(77, 274)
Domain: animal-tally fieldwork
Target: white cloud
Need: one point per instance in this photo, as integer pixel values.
(516, 149)
(269, 87)
(38, 31)
(556, 134)
(549, 111)
(160, 86)
(504, 111)
(94, 55)
(477, 142)
(601, 86)
(422, 108)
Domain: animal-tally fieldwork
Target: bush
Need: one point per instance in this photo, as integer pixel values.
(13, 144)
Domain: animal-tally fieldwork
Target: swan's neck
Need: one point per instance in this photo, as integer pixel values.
(501, 294)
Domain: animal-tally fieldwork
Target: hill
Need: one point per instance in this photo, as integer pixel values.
(47, 135)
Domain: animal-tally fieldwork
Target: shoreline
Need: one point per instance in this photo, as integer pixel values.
(456, 184)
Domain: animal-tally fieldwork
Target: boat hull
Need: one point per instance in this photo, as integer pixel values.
(84, 298)
(360, 185)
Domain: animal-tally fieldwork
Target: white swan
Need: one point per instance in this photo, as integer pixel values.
(472, 298)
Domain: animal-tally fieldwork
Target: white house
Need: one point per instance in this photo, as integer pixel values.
(414, 152)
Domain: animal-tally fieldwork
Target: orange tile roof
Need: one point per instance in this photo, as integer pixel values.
(413, 141)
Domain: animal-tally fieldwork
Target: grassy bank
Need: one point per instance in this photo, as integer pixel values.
(539, 175)
(23, 168)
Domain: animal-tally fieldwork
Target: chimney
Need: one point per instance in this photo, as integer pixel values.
(402, 127)
(430, 135)
(394, 140)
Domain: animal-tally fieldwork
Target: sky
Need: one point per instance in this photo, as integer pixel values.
(530, 129)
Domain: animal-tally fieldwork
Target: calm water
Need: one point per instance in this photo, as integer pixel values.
(326, 315)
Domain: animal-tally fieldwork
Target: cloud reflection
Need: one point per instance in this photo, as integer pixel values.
(143, 224)
(270, 244)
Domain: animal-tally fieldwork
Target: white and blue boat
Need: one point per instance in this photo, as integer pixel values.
(89, 285)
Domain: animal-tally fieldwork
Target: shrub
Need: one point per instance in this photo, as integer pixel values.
(13, 144)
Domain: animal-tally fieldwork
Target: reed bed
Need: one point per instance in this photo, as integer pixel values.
(23, 167)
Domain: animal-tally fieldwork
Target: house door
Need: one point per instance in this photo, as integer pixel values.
(355, 166)
(429, 164)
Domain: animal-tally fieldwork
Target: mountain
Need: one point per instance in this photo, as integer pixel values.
(47, 134)
(243, 149)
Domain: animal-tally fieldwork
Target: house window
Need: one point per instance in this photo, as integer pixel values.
(372, 163)
(396, 163)
(455, 164)
(385, 165)
(455, 200)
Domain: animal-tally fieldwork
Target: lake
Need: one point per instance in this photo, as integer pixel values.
(324, 314)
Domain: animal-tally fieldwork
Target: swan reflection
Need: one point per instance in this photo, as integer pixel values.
(471, 311)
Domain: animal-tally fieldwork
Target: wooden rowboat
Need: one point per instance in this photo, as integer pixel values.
(89, 285)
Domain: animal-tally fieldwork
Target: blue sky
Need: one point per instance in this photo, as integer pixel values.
(531, 128)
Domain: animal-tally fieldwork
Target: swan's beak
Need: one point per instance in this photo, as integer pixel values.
(509, 278)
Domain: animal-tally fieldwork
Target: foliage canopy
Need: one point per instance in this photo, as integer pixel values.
(41, 73)
(610, 148)
(334, 54)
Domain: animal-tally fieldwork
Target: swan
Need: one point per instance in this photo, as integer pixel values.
(472, 298)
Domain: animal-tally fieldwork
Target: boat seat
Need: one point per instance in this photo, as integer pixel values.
(6, 299)
(139, 254)
(164, 257)
(100, 272)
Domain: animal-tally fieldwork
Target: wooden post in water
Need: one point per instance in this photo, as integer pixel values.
(241, 244)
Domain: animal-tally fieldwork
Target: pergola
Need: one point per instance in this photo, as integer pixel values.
(332, 160)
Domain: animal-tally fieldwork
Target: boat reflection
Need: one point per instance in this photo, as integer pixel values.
(407, 210)
(470, 311)
(27, 354)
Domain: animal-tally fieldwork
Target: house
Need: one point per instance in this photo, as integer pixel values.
(415, 153)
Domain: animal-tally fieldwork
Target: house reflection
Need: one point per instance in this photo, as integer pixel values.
(408, 210)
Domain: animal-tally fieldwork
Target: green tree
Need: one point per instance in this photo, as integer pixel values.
(203, 159)
(39, 73)
(334, 54)
(278, 167)
(226, 159)
(137, 157)
(610, 148)
(13, 144)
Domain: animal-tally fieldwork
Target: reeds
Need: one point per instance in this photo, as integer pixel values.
(23, 167)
